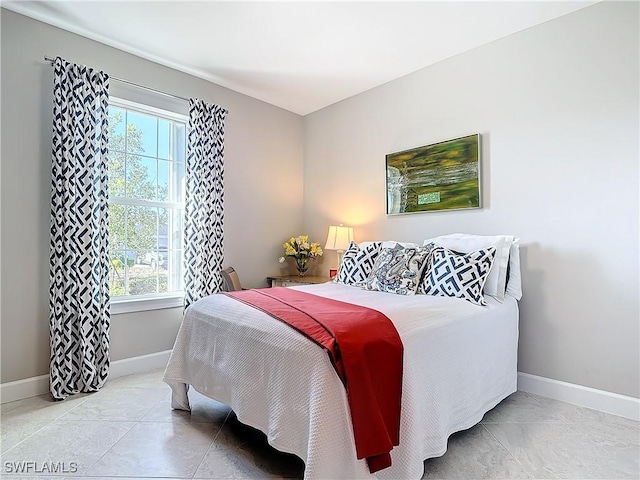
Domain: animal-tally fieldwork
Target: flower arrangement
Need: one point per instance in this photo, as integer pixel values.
(303, 251)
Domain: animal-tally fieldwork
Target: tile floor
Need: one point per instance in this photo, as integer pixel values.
(128, 430)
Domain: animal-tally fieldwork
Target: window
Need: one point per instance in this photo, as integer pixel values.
(147, 151)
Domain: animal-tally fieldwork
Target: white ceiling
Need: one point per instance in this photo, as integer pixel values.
(301, 56)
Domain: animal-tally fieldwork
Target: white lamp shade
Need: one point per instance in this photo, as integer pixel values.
(339, 237)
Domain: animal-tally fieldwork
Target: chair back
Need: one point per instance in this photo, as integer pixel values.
(231, 280)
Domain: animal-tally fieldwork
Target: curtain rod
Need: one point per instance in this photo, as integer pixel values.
(51, 61)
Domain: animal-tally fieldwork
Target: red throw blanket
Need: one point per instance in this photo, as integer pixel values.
(366, 351)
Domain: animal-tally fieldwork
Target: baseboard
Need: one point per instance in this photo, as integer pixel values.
(31, 387)
(602, 400)
(140, 364)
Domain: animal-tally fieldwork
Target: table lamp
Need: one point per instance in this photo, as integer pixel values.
(339, 239)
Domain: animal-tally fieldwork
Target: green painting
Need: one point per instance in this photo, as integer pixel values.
(441, 176)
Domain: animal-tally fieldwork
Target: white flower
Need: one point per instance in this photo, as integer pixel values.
(281, 259)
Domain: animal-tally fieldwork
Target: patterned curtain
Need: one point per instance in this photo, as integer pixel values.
(79, 265)
(204, 210)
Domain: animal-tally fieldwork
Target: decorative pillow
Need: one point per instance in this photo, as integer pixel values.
(453, 274)
(496, 282)
(399, 269)
(357, 263)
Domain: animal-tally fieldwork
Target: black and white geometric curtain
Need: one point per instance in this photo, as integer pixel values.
(204, 206)
(79, 265)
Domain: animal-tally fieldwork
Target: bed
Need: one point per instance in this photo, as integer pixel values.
(459, 362)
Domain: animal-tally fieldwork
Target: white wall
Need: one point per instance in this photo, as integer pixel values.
(557, 107)
(263, 149)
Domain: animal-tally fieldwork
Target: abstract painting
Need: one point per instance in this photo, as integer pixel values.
(440, 176)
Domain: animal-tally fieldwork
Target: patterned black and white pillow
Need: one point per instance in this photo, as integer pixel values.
(452, 274)
(357, 262)
(399, 269)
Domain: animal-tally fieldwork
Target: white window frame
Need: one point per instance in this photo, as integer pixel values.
(140, 303)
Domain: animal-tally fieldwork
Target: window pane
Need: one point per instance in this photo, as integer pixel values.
(178, 183)
(163, 281)
(129, 258)
(143, 280)
(170, 181)
(117, 274)
(141, 228)
(117, 233)
(164, 129)
(116, 174)
(142, 134)
(163, 238)
(164, 169)
(179, 145)
(174, 273)
(174, 255)
(141, 174)
(176, 221)
(117, 121)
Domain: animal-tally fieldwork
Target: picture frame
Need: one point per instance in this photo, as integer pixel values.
(435, 177)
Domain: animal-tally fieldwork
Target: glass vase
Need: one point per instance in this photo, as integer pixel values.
(302, 264)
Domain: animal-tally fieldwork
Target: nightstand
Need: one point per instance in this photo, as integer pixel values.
(295, 280)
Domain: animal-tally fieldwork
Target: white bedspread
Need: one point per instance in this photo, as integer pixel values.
(459, 362)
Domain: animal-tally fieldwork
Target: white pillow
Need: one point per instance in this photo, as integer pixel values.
(514, 282)
(496, 282)
(393, 243)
